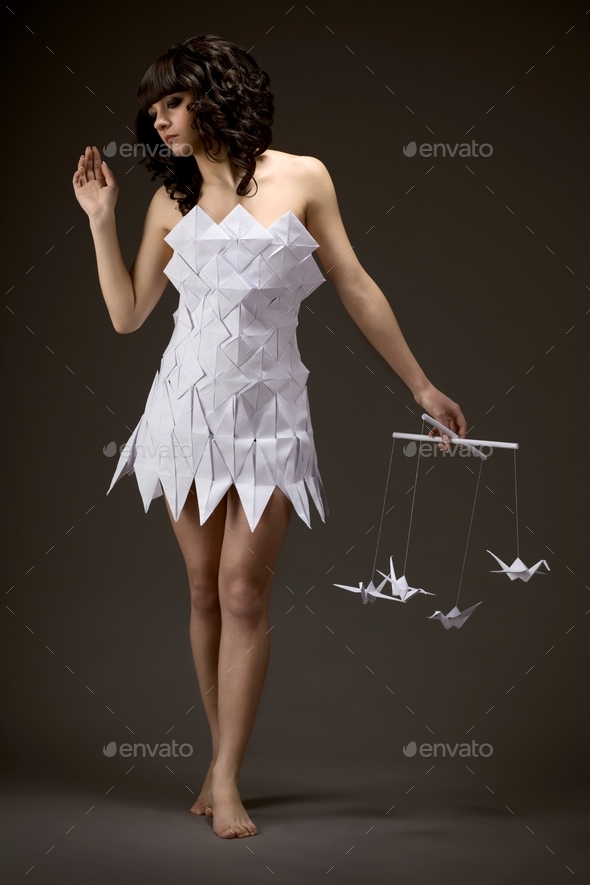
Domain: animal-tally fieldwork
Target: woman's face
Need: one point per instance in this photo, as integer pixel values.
(172, 120)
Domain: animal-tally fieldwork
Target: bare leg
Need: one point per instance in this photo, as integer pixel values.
(244, 590)
(201, 548)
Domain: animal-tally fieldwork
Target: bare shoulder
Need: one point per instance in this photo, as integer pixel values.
(306, 169)
(312, 168)
(316, 182)
(303, 180)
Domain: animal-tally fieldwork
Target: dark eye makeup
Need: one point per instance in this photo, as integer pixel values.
(171, 103)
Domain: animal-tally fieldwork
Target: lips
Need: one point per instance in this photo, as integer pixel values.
(169, 138)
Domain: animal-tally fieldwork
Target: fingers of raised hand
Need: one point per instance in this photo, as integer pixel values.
(97, 165)
(81, 171)
(89, 168)
(89, 164)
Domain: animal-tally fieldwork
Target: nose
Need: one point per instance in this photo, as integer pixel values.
(161, 122)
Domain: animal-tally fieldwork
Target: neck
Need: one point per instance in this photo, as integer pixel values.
(220, 172)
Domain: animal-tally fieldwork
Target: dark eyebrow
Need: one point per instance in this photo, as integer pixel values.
(170, 95)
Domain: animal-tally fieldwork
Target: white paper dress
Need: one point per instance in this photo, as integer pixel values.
(229, 402)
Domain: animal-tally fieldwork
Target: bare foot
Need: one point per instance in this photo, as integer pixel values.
(204, 803)
(230, 818)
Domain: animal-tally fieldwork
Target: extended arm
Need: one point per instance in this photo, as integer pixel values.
(364, 300)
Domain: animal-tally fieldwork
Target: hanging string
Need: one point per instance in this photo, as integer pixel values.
(383, 507)
(516, 507)
(413, 499)
(469, 532)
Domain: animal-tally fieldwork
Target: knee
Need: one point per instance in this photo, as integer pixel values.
(204, 593)
(243, 599)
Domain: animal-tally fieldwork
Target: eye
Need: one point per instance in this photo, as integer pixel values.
(171, 103)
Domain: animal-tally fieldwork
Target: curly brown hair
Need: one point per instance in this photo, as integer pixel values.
(234, 108)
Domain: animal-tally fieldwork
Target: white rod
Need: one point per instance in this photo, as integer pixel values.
(456, 439)
(439, 439)
(443, 429)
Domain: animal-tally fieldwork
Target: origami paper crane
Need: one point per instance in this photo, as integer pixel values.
(368, 593)
(518, 569)
(400, 590)
(454, 618)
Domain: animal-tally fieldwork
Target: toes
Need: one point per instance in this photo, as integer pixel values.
(227, 833)
(238, 831)
(249, 831)
(200, 808)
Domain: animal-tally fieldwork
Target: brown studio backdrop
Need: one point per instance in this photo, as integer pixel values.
(480, 300)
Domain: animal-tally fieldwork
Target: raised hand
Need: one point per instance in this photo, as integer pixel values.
(95, 186)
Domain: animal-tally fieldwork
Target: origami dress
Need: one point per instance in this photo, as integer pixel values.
(229, 402)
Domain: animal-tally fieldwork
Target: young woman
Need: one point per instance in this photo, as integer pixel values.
(226, 436)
